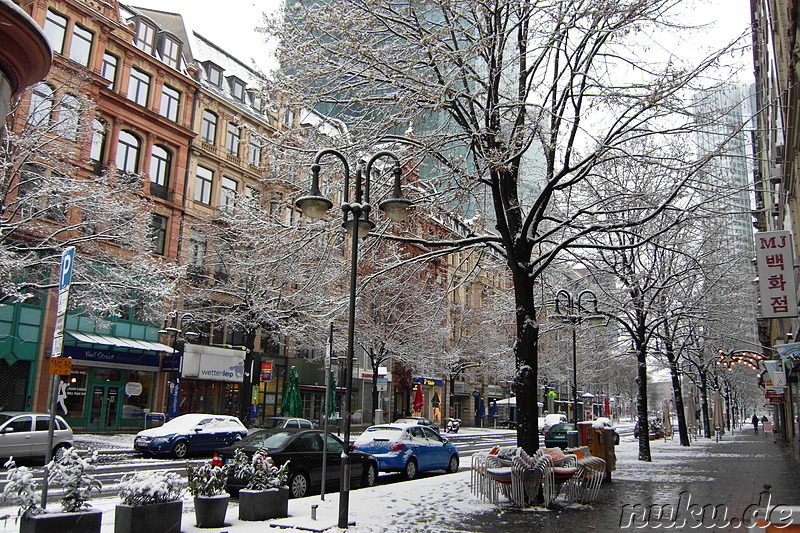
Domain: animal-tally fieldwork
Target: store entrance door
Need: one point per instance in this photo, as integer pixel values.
(104, 411)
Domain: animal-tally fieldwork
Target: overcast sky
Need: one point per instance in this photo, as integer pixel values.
(230, 24)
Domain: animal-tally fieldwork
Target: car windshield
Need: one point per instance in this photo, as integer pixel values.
(266, 439)
(5, 418)
(406, 421)
(562, 427)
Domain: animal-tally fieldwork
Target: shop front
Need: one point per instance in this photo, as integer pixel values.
(210, 380)
(108, 390)
(431, 397)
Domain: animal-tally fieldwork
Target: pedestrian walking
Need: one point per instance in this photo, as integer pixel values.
(755, 423)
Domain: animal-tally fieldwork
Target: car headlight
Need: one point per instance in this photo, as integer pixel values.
(160, 440)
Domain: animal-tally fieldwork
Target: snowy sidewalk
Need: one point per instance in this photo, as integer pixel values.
(730, 474)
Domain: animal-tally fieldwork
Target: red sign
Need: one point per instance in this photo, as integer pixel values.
(266, 371)
(774, 397)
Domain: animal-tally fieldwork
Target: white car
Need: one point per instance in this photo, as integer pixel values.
(192, 433)
(552, 420)
(24, 434)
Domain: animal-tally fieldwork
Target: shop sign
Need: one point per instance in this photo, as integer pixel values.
(266, 371)
(382, 384)
(107, 359)
(213, 363)
(775, 263)
(133, 388)
(494, 391)
(428, 382)
(776, 375)
(461, 388)
(382, 373)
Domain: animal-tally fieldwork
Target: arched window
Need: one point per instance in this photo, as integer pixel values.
(41, 105)
(69, 115)
(128, 152)
(160, 165)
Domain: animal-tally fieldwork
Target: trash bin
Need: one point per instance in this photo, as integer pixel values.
(572, 439)
(602, 446)
(585, 432)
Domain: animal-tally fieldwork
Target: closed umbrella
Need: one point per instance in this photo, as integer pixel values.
(418, 400)
(292, 404)
(666, 422)
(482, 409)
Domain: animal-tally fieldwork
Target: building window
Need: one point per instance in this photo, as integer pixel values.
(214, 74)
(227, 193)
(81, 47)
(160, 164)
(204, 179)
(256, 100)
(145, 37)
(171, 53)
(197, 249)
(128, 152)
(158, 234)
(109, 69)
(208, 128)
(98, 146)
(55, 28)
(232, 138)
(139, 86)
(41, 108)
(237, 89)
(31, 182)
(68, 117)
(254, 155)
(170, 102)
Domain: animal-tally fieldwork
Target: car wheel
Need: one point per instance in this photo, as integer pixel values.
(370, 476)
(452, 466)
(410, 471)
(59, 451)
(298, 484)
(180, 449)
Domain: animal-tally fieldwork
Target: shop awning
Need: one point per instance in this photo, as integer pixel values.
(120, 342)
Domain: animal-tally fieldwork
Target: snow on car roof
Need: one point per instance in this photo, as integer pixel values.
(192, 420)
(381, 433)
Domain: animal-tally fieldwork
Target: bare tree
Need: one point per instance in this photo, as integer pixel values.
(505, 106)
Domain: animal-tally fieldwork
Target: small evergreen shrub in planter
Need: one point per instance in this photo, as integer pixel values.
(73, 474)
(150, 502)
(207, 485)
(266, 495)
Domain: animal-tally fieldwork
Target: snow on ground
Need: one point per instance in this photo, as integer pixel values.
(390, 507)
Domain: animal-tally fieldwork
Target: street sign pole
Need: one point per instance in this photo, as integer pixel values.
(57, 365)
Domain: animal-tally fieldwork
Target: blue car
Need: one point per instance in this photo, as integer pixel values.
(408, 449)
(190, 434)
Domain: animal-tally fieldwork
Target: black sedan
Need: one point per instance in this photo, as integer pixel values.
(303, 448)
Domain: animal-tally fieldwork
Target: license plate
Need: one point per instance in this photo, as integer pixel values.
(141, 442)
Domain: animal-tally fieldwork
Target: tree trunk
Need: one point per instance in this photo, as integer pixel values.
(246, 391)
(704, 403)
(526, 351)
(641, 382)
(677, 391)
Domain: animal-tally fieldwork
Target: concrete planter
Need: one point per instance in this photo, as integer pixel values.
(209, 511)
(263, 504)
(155, 518)
(82, 522)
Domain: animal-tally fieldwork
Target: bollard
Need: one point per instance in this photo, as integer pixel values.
(314, 512)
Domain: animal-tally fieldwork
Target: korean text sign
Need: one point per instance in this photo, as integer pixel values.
(776, 281)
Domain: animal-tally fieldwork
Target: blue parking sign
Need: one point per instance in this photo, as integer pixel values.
(65, 277)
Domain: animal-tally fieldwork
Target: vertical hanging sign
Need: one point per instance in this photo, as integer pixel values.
(776, 281)
(64, 282)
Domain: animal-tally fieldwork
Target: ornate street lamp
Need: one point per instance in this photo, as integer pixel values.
(573, 311)
(180, 328)
(315, 205)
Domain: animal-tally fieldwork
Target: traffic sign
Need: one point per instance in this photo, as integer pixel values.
(61, 366)
(67, 258)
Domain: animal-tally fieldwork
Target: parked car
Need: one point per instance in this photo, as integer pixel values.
(552, 420)
(408, 449)
(419, 421)
(605, 423)
(277, 422)
(24, 434)
(190, 434)
(556, 435)
(303, 448)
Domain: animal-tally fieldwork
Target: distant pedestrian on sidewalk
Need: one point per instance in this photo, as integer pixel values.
(755, 423)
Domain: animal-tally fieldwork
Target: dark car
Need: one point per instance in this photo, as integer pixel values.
(303, 448)
(277, 422)
(189, 434)
(556, 435)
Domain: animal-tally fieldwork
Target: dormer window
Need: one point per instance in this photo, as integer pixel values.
(214, 74)
(256, 101)
(145, 36)
(237, 88)
(171, 51)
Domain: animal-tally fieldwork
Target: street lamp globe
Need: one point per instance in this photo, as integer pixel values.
(397, 209)
(314, 206)
(364, 227)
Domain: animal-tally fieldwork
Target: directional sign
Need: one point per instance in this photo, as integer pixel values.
(67, 258)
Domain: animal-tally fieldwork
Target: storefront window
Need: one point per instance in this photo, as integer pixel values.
(137, 394)
(76, 392)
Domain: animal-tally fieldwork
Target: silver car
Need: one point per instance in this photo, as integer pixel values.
(24, 434)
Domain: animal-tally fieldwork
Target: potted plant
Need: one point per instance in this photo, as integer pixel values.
(150, 502)
(266, 494)
(207, 485)
(73, 473)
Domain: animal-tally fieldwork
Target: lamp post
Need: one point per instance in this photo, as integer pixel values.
(357, 223)
(453, 375)
(179, 327)
(576, 310)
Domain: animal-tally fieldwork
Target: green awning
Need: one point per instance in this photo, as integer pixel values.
(120, 342)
